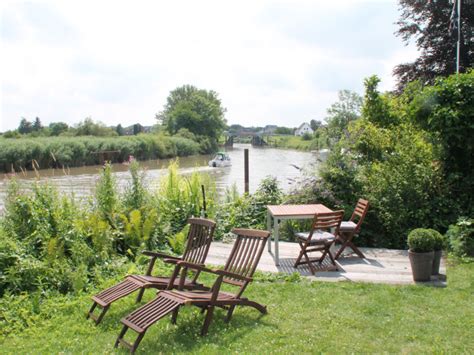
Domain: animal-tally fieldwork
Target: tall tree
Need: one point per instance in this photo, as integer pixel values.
(119, 130)
(25, 126)
(199, 111)
(37, 126)
(428, 23)
(315, 124)
(342, 112)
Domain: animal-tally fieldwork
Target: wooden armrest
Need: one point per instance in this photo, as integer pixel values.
(231, 274)
(171, 261)
(200, 267)
(155, 254)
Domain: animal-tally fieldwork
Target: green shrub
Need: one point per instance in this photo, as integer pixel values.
(439, 240)
(421, 240)
(461, 237)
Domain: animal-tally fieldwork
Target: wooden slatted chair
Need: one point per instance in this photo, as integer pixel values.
(349, 229)
(199, 239)
(238, 271)
(323, 233)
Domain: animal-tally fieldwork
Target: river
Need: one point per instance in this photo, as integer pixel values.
(263, 162)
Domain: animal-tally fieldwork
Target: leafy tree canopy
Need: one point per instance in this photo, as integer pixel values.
(342, 112)
(56, 128)
(199, 111)
(427, 23)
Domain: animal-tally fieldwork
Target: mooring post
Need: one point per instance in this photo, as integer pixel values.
(246, 170)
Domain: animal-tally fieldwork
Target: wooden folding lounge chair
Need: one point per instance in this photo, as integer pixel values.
(323, 233)
(238, 271)
(349, 229)
(198, 242)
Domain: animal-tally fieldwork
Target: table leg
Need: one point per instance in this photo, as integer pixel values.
(269, 228)
(275, 238)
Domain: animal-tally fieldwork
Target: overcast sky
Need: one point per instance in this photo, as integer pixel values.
(271, 62)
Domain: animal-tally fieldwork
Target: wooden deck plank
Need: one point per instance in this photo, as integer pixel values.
(386, 266)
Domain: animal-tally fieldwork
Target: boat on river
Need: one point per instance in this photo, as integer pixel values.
(220, 160)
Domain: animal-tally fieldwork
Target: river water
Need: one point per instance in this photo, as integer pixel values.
(263, 162)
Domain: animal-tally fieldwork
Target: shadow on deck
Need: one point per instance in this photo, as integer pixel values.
(386, 266)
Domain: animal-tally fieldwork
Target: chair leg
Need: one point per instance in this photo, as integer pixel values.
(102, 314)
(174, 315)
(137, 342)
(207, 321)
(229, 314)
(356, 250)
(140, 294)
(298, 259)
(121, 335)
(91, 311)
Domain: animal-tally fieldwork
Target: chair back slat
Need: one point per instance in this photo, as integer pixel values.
(359, 213)
(199, 240)
(245, 254)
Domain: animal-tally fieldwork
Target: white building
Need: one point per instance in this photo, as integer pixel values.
(303, 129)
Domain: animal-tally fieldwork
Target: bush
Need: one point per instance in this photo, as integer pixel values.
(421, 240)
(439, 240)
(461, 237)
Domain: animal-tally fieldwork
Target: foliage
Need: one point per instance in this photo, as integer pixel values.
(247, 211)
(342, 112)
(421, 240)
(439, 240)
(50, 242)
(375, 108)
(446, 111)
(427, 24)
(461, 237)
(78, 151)
(197, 110)
(90, 128)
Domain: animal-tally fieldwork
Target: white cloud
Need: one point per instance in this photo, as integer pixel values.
(117, 61)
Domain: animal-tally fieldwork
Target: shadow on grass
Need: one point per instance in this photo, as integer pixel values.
(185, 335)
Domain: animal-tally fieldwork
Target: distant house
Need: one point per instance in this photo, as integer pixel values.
(303, 129)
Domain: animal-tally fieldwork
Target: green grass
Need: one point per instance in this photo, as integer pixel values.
(302, 317)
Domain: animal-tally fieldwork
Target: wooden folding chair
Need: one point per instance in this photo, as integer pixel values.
(238, 271)
(322, 235)
(198, 242)
(349, 229)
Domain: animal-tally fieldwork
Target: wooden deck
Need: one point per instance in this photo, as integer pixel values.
(386, 266)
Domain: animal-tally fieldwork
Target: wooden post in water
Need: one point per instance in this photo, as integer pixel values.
(246, 170)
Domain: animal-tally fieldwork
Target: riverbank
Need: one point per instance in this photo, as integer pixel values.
(294, 142)
(58, 152)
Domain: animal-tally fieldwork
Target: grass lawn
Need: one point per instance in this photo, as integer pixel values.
(303, 317)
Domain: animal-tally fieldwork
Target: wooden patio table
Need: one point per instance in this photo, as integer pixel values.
(282, 212)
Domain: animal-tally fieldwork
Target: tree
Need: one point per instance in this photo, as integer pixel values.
(315, 124)
(340, 113)
(137, 128)
(119, 130)
(199, 111)
(427, 23)
(56, 128)
(25, 126)
(90, 128)
(37, 126)
(376, 108)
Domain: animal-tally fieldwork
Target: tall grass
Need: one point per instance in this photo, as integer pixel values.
(54, 152)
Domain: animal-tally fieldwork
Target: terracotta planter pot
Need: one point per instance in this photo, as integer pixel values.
(436, 262)
(421, 265)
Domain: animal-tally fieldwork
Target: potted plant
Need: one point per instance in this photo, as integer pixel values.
(438, 244)
(421, 253)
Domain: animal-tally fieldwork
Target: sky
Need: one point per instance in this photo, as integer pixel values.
(271, 62)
